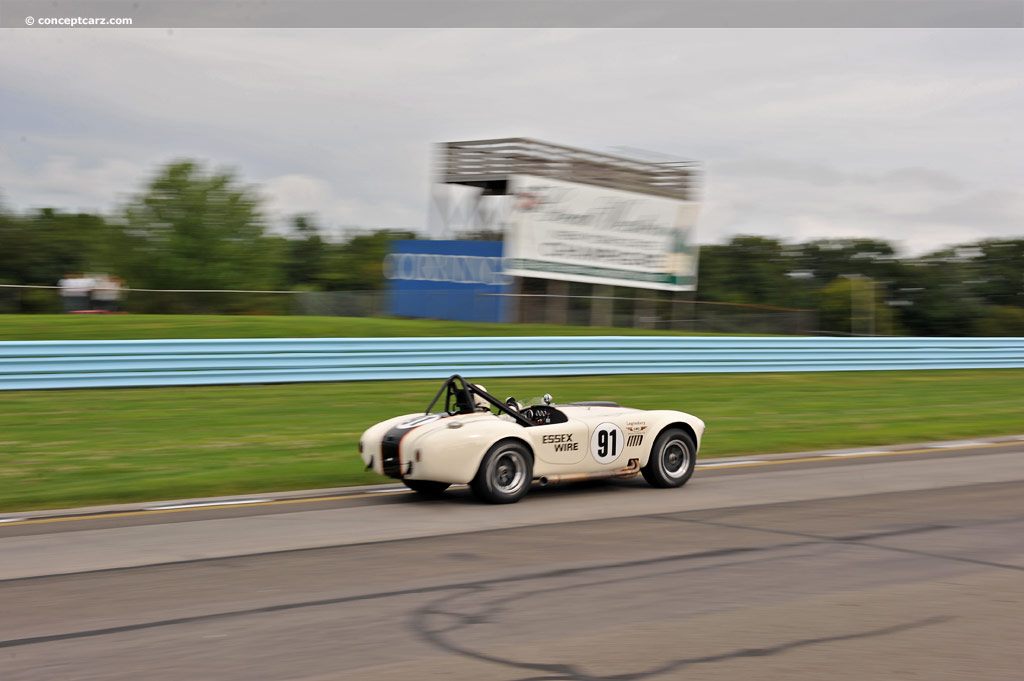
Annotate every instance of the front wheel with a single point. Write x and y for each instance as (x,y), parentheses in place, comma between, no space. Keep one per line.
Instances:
(672,459)
(427,488)
(505,473)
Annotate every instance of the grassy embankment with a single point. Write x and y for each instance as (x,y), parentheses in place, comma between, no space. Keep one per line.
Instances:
(65,448)
(112,327)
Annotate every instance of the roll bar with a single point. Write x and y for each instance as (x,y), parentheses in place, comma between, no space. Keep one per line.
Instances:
(462,391)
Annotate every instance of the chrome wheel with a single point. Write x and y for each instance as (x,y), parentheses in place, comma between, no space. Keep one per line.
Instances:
(505,473)
(672,459)
(508,471)
(675,458)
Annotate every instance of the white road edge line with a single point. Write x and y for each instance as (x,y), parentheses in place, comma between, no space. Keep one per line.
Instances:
(710,464)
(859,453)
(202,504)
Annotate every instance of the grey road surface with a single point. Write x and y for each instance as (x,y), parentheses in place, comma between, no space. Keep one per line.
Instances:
(889,569)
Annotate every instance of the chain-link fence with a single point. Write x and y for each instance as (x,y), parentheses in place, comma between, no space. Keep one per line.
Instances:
(48,300)
(340,303)
(617,311)
(662,313)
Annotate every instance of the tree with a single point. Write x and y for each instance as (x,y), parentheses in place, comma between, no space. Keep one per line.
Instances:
(1000,320)
(749,269)
(938,298)
(303,252)
(194,229)
(827,259)
(40,248)
(357,265)
(997,272)
(851,305)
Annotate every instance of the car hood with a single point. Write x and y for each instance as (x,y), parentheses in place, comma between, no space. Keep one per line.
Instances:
(576,411)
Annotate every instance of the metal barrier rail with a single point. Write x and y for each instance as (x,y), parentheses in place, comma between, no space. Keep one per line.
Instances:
(32,365)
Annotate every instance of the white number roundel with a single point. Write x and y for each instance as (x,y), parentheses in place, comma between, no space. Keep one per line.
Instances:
(606,443)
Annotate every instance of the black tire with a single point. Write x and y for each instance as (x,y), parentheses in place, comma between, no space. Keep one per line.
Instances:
(672,459)
(427,488)
(505,473)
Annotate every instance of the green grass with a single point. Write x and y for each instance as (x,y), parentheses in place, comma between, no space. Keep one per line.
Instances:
(77,447)
(118,327)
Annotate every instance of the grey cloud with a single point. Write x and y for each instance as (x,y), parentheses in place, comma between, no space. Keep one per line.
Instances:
(807,133)
(829,176)
(923,177)
(1002,210)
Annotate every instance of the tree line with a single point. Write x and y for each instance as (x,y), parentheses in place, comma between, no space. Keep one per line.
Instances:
(196,228)
(863,286)
(192,228)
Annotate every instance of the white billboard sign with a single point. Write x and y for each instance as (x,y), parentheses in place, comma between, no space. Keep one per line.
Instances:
(578,232)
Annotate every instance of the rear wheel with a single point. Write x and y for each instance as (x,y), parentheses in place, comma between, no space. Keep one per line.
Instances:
(427,488)
(672,459)
(505,473)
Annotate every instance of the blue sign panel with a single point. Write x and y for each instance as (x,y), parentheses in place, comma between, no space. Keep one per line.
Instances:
(459,280)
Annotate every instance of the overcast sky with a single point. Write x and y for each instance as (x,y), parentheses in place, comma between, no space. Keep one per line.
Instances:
(913,136)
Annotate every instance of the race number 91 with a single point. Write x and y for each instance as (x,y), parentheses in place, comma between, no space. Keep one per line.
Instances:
(606,443)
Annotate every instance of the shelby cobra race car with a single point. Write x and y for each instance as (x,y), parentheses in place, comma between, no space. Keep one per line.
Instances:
(500,448)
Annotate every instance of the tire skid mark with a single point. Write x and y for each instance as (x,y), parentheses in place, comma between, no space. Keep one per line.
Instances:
(480,610)
(862,540)
(282,607)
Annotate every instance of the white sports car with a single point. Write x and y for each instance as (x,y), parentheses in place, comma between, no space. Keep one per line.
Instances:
(501,448)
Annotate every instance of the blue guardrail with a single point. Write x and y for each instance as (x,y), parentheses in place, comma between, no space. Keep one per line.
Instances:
(34,365)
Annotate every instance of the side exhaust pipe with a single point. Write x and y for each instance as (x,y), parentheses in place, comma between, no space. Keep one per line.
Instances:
(630,471)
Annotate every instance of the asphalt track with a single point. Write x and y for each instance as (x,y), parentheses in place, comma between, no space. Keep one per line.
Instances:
(902,563)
